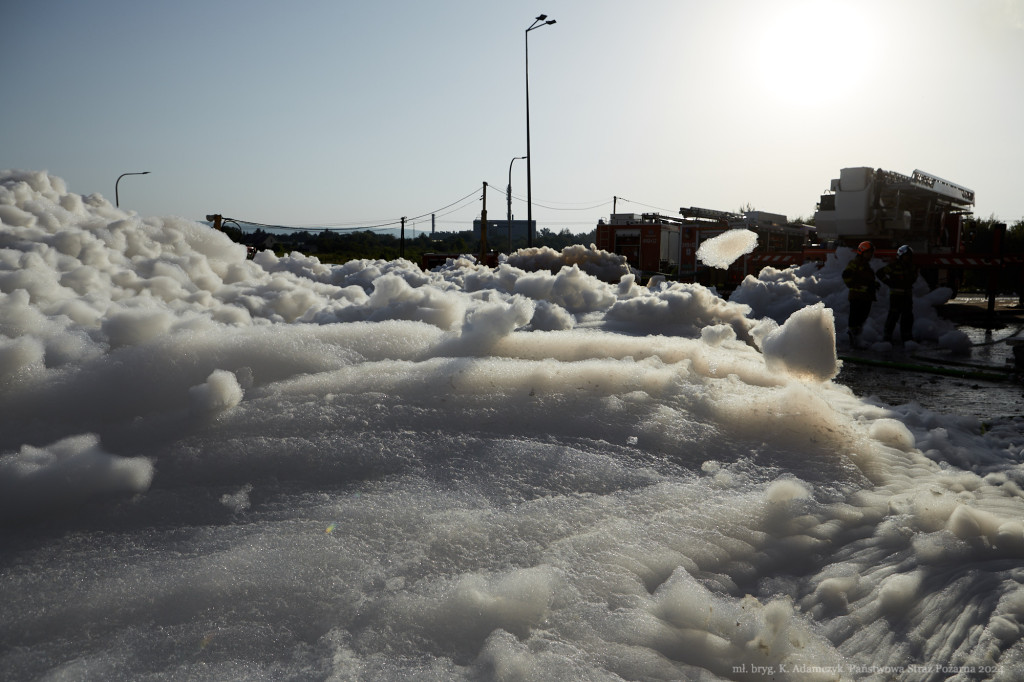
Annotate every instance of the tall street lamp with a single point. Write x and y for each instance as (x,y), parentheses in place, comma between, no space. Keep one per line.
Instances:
(117,200)
(509,193)
(542,20)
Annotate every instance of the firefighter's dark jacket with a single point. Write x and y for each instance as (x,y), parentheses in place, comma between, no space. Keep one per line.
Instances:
(900,277)
(860,279)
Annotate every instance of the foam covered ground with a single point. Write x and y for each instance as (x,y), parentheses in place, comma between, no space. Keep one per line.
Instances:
(219,468)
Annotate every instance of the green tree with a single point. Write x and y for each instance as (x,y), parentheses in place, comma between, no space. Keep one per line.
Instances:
(978,237)
(340,247)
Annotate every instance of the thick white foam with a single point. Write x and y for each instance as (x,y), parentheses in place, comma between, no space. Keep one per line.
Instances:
(215,467)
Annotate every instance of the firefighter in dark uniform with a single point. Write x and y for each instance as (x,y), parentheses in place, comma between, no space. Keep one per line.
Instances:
(860,280)
(900,277)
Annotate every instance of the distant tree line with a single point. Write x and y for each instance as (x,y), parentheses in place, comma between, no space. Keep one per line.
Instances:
(978,237)
(341,247)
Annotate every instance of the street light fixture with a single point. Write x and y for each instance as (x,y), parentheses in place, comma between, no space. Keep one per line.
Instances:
(542,20)
(509,193)
(117,200)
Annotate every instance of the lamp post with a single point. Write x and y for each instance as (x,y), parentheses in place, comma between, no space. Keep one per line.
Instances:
(542,20)
(117,200)
(509,193)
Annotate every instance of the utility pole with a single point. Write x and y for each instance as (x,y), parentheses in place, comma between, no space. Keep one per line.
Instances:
(401,243)
(483,228)
(998,235)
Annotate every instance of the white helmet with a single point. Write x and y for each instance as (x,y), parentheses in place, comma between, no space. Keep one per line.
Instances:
(904,251)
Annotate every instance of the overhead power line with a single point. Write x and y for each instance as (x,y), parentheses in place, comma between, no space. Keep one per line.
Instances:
(592,204)
(424,215)
(656,208)
(579,206)
(355,227)
(583,208)
(455,206)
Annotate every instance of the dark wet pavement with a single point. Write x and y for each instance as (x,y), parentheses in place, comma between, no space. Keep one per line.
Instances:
(988,385)
(951,395)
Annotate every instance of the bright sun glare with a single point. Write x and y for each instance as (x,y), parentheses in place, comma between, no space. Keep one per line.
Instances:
(815,52)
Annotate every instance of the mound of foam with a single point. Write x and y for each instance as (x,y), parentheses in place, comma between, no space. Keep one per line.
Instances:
(607,267)
(805,345)
(64,474)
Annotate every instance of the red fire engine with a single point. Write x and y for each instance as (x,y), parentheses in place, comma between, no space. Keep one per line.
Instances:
(659,244)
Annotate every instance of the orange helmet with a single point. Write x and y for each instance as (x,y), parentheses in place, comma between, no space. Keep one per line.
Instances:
(864,247)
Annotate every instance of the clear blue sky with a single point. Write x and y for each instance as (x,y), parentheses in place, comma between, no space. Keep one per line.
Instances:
(337,112)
